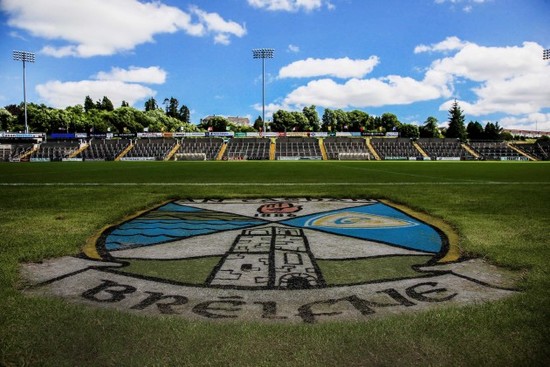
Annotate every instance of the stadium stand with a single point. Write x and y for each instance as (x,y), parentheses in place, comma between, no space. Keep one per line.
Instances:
(496,150)
(20,152)
(247,149)
(395,149)
(205,148)
(294,148)
(346,148)
(5,152)
(150,149)
(444,149)
(104,150)
(540,151)
(54,150)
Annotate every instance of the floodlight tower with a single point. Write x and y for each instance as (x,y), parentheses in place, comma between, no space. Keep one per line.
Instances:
(546,54)
(25,57)
(263,53)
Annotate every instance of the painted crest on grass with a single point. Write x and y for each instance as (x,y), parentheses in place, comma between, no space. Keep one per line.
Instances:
(281,260)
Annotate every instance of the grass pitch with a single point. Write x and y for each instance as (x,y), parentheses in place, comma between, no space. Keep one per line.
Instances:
(500,209)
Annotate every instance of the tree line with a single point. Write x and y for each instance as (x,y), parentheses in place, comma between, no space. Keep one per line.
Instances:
(98,117)
(101,117)
(360,121)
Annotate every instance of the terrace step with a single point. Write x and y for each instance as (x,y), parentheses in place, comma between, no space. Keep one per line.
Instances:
(272,149)
(172,152)
(419,148)
(470,150)
(323,150)
(124,152)
(372,150)
(530,157)
(82,148)
(219,157)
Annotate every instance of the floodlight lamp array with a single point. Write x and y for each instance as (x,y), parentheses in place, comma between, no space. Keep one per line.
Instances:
(263,53)
(23,56)
(546,54)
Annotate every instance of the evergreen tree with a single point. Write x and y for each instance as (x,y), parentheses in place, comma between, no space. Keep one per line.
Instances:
(456,127)
(258,123)
(89,104)
(151,104)
(106,104)
(171,104)
(475,131)
(184,114)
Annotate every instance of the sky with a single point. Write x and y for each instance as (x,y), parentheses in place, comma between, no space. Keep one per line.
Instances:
(412,58)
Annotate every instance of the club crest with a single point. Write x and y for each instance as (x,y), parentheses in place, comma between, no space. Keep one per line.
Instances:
(275,259)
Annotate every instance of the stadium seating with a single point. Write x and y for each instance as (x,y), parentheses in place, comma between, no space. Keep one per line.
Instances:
(495,150)
(104,150)
(539,151)
(150,149)
(346,148)
(54,150)
(210,147)
(247,149)
(395,148)
(444,149)
(294,148)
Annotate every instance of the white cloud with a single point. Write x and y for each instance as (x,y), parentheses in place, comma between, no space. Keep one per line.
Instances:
(467,5)
(62,94)
(293,48)
(221,28)
(290,5)
(449,44)
(513,82)
(97,27)
(360,93)
(339,68)
(150,75)
(118,84)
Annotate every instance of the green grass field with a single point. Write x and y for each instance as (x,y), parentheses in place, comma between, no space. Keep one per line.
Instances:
(500,209)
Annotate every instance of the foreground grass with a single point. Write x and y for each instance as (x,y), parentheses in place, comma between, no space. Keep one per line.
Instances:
(505,223)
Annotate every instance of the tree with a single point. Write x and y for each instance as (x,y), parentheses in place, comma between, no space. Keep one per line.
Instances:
(389,122)
(7,120)
(358,121)
(215,123)
(151,104)
(429,129)
(184,114)
(329,120)
(409,131)
(456,127)
(124,104)
(258,123)
(310,113)
(106,104)
(89,104)
(171,105)
(342,120)
(300,123)
(475,131)
(493,131)
(283,121)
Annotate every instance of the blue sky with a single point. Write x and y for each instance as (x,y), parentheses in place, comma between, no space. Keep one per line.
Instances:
(408,57)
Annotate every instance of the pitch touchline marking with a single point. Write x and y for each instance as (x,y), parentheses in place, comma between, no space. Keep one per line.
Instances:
(445,183)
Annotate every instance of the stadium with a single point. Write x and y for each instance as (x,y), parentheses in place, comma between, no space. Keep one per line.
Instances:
(135,237)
